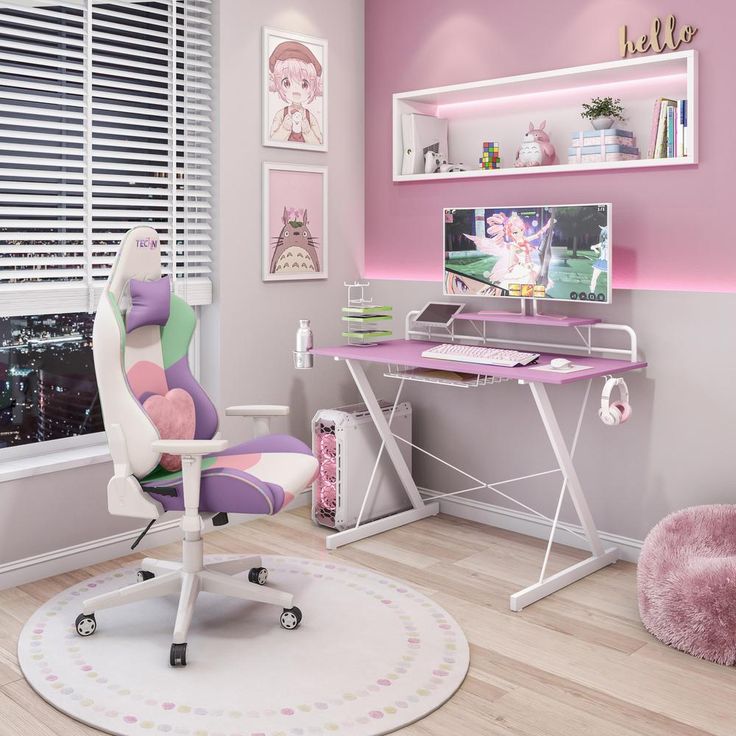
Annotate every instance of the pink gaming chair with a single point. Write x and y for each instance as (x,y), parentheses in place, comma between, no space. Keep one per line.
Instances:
(161,428)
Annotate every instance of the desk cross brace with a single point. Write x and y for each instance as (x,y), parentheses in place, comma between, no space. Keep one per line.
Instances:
(544,586)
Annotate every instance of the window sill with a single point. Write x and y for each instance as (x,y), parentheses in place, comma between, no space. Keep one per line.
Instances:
(53,462)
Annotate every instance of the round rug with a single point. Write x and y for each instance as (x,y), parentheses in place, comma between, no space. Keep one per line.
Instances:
(370,656)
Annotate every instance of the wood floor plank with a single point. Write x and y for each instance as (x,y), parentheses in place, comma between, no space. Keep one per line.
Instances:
(38,711)
(602,669)
(510,673)
(574,664)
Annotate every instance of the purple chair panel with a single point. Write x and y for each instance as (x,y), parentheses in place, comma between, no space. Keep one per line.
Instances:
(178,375)
(225,489)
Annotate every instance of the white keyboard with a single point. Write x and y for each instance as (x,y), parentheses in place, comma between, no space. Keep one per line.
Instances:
(479,355)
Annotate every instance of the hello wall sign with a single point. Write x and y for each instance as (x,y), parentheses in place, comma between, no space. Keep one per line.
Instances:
(661,36)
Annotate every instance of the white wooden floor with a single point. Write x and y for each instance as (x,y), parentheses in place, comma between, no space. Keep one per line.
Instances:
(578,663)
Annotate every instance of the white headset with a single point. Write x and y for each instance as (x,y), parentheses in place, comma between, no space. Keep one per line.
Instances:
(618,412)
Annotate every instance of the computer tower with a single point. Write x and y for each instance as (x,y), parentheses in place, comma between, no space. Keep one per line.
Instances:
(346,443)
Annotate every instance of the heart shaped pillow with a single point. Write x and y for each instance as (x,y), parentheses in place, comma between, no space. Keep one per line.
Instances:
(175,419)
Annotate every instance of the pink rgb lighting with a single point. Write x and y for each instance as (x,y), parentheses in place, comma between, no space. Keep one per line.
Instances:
(642,85)
(670,224)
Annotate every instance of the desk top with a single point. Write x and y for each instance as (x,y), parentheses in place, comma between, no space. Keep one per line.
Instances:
(409,353)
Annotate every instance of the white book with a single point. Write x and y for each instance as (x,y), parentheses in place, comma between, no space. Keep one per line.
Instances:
(419,134)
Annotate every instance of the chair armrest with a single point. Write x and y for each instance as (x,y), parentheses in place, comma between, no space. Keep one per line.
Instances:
(257,410)
(189,447)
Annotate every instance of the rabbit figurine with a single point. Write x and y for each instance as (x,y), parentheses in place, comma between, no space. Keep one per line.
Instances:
(535,149)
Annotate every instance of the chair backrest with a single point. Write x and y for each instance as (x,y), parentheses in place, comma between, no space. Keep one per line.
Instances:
(148,361)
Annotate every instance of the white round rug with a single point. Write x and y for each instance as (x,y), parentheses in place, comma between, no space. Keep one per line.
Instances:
(370,656)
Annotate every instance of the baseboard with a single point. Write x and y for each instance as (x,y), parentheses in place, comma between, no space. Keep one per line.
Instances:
(66,559)
(526,523)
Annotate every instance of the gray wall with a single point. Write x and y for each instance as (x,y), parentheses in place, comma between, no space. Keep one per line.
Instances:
(676,451)
(258,321)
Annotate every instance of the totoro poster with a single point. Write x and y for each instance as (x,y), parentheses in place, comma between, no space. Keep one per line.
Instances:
(294,222)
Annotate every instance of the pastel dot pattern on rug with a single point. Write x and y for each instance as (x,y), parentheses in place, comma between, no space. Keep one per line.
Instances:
(400,657)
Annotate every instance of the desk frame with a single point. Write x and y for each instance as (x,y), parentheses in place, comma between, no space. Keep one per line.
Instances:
(600,556)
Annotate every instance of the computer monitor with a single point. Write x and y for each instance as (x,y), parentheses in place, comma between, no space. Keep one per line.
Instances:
(555,252)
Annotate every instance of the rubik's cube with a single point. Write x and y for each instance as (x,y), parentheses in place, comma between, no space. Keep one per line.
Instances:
(491,158)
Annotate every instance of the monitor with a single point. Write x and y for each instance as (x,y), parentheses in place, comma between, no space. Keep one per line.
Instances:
(556,252)
(438,314)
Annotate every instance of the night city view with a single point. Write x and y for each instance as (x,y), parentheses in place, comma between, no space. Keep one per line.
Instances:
(47,381)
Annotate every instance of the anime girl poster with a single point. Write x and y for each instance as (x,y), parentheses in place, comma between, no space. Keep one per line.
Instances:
(294,90)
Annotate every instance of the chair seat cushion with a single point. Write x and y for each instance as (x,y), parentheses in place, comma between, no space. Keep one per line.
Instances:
(261,476)
(686,579)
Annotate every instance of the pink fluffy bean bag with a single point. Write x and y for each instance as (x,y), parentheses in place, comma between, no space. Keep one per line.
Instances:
(687,582)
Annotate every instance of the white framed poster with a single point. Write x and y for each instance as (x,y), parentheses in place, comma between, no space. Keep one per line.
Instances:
(294,90)
(294,222)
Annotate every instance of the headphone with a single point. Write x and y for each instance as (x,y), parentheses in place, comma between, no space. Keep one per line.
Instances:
(618,412)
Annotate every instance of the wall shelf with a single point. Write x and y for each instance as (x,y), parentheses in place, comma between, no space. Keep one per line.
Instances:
(500,109)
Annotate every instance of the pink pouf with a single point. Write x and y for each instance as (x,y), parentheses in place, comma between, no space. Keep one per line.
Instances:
(687,582)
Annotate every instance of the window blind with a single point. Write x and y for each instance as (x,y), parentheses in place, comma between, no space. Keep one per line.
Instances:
(105,124)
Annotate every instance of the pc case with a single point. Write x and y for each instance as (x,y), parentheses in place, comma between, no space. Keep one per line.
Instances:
(346,443)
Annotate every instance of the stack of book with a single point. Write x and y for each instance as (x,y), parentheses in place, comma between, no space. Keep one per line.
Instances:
(668,137)
(361,319)
(611,144)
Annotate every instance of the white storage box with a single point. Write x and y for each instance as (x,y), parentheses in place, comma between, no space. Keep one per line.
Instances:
(346,443)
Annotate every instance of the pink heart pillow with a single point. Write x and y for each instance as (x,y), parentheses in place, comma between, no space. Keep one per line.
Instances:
(175,419)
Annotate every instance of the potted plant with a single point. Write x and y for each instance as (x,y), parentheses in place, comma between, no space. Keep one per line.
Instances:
(603,112)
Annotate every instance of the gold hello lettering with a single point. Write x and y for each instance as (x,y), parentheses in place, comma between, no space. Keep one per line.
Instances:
(654,41)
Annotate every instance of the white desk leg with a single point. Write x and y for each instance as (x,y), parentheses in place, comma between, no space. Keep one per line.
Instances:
(601,557)
(420,509)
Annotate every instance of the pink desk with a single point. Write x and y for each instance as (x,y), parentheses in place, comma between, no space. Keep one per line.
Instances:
(408,353)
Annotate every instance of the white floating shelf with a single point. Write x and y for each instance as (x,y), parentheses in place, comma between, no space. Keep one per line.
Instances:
(500,109)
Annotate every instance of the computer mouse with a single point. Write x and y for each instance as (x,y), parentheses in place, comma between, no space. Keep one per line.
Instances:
(559,363)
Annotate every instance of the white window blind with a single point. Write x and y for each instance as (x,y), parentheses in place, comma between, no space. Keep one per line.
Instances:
(105,124)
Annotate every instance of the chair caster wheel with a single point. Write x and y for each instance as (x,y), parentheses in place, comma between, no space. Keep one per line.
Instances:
(86,625)
(143,575)
(258,575)
(291,618)
(178,656)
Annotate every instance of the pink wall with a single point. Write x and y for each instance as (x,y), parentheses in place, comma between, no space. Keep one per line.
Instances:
(673,227)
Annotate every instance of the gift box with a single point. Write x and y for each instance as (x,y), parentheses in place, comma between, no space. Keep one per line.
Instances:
(602,152)
(610,136)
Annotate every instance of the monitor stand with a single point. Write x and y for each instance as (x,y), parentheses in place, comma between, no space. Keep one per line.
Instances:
(524,312)
(537,313)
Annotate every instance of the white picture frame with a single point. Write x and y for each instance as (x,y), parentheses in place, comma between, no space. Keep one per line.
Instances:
(282,218)
(309,132)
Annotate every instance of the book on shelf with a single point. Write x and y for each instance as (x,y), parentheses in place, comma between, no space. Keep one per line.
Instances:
(668,134)
(371,309)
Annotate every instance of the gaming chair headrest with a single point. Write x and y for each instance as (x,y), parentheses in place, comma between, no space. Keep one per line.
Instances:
(139,257)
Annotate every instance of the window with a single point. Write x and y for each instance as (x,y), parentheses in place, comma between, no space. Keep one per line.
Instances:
(105,115)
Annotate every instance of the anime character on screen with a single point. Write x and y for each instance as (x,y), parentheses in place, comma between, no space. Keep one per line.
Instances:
(457,283)
(601,264)
(518,260)
(296,76)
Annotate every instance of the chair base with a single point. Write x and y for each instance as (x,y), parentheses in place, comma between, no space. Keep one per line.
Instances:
(187,579)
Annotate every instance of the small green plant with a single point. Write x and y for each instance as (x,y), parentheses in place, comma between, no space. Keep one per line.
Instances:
(603,107)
